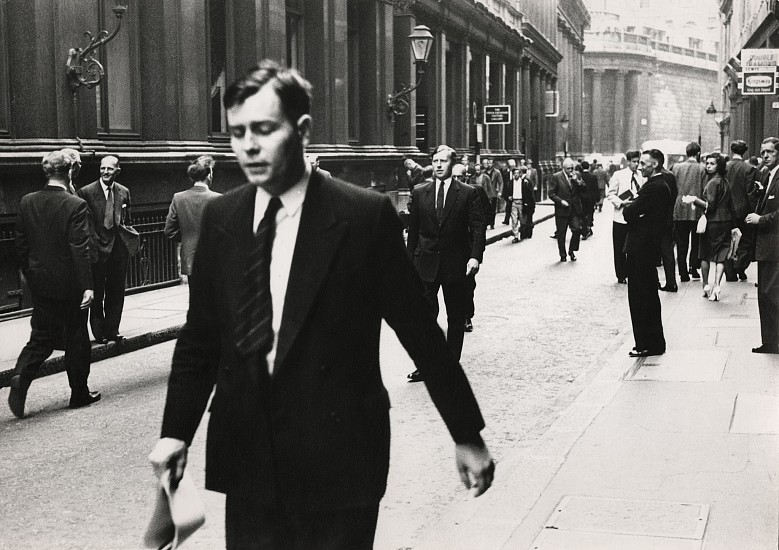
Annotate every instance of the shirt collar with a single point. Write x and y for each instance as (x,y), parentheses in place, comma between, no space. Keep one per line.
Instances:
(772,174)
(105,187)
(56,184)
(200,184)
(291,199)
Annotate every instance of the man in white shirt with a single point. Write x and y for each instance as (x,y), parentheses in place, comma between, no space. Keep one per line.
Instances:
(624,185)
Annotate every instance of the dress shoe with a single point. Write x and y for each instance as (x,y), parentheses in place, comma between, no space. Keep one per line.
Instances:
(115,338)
(83,399)
(742,276)
(765,349)
(415,376)
(468,326)
(563,259)
(645,352)
(101,340)
(505,223)
(18,396)
(685,279)
(573,256)
(731,279)
(694,274)
(584,237)
(514,240)
(714,294)
(669,288)
(622,281)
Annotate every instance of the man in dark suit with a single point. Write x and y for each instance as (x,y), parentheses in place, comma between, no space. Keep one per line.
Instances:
(522,203)
(459,173)
(647,220)
(446,239)
(667,240)
(109,204)
(564,190)
(284,320)
(741,177)
(186,210)
(52,239)
(589,197)
(765,219)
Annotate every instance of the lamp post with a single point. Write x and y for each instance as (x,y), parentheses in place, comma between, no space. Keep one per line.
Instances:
(82,67)
(564,123)
(421,43)
(710,110)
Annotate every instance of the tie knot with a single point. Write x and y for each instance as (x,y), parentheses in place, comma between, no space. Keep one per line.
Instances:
(273,207)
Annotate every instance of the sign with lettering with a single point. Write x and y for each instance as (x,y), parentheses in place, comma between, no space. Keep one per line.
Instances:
(759,71)
(497,114)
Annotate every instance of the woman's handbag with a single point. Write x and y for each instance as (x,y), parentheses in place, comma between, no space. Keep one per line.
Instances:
(701,228)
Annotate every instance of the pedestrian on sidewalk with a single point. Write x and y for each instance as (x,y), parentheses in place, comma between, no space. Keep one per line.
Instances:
(52,240)
(523,204)
(589,196)
(603,182)
(667,242)
(186,210)
(494,188)
(295,273)
(623,186)
(690,179)
(505,193)
(565,189)
(741,177)
(646,218)
(766,219)
(717,206)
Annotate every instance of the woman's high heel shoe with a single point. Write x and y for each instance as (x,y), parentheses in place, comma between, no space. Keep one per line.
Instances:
(714,295)
(706,291)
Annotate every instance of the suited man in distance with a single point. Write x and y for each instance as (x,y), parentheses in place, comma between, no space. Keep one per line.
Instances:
(298,435)
(564,190)
(647,219)
(741,177)
(109,204)
(765,219)
(186,210)
(446,240)
(52,240)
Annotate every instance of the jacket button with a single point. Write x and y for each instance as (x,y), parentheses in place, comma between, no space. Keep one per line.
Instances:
(335,417)
(323,368)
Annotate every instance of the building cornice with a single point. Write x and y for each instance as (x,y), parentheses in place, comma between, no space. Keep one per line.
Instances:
(541,51)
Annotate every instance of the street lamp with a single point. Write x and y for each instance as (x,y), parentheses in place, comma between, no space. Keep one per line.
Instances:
(710,110)
(421,43)
(83,68)
(564,123)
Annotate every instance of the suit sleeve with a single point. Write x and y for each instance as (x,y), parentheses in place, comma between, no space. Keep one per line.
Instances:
(407,312)
(196,357)
(413,223)
(552,193)
(643,203)
(79,240)
(172,228)
(477,225)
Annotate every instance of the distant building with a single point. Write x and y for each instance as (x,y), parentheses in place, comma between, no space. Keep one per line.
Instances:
(650,73)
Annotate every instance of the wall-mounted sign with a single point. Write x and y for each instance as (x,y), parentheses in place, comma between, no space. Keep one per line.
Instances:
(759,71)
(497,114)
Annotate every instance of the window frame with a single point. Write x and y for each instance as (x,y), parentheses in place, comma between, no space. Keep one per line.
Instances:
(5,91)
(229,65)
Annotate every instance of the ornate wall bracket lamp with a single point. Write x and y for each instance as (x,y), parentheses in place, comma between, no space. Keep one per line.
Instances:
(83,69)
(421,43)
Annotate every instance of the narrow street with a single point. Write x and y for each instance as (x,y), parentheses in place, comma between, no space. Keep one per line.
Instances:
(80,479)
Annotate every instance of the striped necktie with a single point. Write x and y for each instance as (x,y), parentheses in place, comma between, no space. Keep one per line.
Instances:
(254,331)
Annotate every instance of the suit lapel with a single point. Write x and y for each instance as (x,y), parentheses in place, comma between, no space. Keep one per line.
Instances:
(319,237)
(769,188)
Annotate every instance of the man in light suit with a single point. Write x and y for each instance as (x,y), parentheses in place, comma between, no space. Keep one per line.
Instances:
(109,205)
(446,240)
(765,219)
(565,189)
(52,240)
(298,435)
(186,210)
(647,220)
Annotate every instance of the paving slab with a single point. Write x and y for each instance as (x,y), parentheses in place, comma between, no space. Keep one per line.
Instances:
(755,414)
(681,366)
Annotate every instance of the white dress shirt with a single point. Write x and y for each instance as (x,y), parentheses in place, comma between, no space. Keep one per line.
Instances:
(619,183)
(447,185)
(287,225)
(105,189)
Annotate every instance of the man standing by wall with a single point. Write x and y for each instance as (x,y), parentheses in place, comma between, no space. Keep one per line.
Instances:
(52,240)
(109,204)
(766,220)
(186,210)
(690,180)
(623,186)
(564,190)
(647,218)
(741,178)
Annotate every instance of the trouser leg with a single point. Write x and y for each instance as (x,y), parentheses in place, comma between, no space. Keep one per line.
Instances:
(619,232)
(768,302)
(430,290)
(667,253)
(77,348)
(116,273)
(470,307)
(46,329)
(507,217)
(455,293)
(516,223)
(575,223)
(561,228)
(96,312)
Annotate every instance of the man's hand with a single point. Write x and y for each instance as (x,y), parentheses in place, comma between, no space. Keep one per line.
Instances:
(472,267)
(475,465)
(564,202)
(170,454)
(753,219)
(86,300)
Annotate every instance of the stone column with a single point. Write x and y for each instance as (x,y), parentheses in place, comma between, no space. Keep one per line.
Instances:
(527,108)
(536,112)
(619,113)
(631,89)
(597,111)
(586,106)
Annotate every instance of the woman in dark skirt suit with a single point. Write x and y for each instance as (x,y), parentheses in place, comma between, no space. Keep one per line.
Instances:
(720,215)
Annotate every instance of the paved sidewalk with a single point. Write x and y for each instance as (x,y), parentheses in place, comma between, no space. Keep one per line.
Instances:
(149,318)
(679,451)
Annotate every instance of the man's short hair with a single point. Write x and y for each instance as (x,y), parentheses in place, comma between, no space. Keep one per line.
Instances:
(200,168)
(739,147)
(693,149)
(568,162)
(632,154)
(72,154)
(442,148)
(56,163)
(584,165)
(773,140)
(657,155)
(293,90)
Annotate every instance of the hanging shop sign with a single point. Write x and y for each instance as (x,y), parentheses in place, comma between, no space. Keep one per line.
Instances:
(759,71)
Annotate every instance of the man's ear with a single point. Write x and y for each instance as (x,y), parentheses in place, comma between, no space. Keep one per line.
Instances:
(118,171)
(304,128)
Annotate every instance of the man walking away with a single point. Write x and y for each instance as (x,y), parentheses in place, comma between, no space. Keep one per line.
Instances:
(741,177)
(690,180)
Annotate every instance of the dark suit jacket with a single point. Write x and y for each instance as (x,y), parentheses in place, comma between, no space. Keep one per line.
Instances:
(443,251)
(670,181)
(528,198)
(484,200)
(183,221)
(767,239)
(590,193)
(93,194)
(52,240)
(316,436)
(647,218)
(561,190)
(741,178)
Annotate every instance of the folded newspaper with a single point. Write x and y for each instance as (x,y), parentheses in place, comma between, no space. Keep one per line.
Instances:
(177,514)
